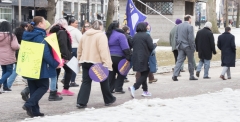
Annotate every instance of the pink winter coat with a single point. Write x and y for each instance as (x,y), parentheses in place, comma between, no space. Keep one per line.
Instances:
(8,48)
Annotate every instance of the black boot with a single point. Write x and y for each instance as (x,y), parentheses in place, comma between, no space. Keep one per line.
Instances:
(25,94)
(53,96)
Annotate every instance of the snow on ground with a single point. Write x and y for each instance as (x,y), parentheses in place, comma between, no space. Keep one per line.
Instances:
(223,106)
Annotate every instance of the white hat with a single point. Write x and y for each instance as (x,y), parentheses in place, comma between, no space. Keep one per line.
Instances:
(208,24)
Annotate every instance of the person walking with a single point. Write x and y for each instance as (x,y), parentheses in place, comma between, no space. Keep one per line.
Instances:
(142,48)
(119,49)
(86,27)
(186,47)
(18,32)
(76,36)
(8,47)
(205,47)
(151,78)
(93,48)
(173,43)
(126,30)
(38,87)
(226,43)
(65,46)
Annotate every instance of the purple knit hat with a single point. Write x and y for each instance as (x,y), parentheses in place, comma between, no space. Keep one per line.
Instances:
(178,21)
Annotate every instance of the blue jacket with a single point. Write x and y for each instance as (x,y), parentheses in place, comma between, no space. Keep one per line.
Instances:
(49,64)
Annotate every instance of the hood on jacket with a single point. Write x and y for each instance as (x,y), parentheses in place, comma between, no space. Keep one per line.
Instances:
(30,36)
(92,32)
(71,28)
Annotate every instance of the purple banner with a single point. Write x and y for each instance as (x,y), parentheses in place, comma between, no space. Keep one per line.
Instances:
(124,67)
(98,73)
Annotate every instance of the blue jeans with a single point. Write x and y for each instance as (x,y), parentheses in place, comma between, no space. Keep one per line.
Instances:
(53,83)
(6,72)
(206,64)
(73,78)
(12,77)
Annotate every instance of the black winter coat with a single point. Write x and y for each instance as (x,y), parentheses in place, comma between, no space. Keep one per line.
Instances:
(205,45)
(142,48)
(64,41)
(226,43)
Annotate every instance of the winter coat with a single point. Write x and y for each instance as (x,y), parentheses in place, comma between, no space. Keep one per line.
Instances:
(64,41)
(7,49)
(49,65)
(226,43)
(118,45)
(172,38)
(76,36)
(142,48)
(205,45)
(93,48)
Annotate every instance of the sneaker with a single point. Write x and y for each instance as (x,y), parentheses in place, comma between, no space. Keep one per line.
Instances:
(73,84)
(146,94)
(132,90)
(66,92)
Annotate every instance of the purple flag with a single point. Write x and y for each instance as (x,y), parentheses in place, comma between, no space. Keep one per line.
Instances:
(134,16)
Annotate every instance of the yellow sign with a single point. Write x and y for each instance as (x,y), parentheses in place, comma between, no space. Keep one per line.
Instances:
(53,42)
(30,59)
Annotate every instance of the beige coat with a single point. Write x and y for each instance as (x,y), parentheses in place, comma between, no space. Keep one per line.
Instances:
(93,48)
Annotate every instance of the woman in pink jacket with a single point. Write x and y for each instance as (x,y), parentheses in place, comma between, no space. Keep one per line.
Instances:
(8,47)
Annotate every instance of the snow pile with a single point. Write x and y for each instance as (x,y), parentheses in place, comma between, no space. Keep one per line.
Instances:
(223,106)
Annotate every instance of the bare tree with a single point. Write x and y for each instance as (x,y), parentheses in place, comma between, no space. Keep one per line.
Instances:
(238,13)
(226,12)
(51,10)
(110,13)
(212,16)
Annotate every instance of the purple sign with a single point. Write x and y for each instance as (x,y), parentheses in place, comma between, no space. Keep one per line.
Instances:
(124,67)
(98,72)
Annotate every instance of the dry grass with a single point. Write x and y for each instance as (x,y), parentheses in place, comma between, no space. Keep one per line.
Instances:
(166,58)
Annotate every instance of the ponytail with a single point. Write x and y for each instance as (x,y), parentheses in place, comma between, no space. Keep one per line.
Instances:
(35,22)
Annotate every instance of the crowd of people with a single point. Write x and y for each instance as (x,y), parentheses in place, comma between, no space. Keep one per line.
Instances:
(92,45)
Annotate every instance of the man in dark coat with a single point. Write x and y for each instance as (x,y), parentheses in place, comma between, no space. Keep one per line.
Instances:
(205,47)
(226,43)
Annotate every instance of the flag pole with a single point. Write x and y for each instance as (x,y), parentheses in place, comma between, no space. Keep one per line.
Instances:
(156,11)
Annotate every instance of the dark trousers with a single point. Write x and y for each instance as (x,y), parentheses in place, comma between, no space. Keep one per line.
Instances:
(150,76)
(73,78)
(142,80)
(37,89)
(175,53)
(114,83)
(68,76)
(85,89)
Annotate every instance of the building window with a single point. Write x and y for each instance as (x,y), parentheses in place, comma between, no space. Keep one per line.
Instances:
(6,13)
(83,8)
(99,8)
(165,8)
(93,8)
(76,10)
(67,6)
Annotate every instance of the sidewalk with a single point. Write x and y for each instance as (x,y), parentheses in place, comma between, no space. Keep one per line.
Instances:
(11,102)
